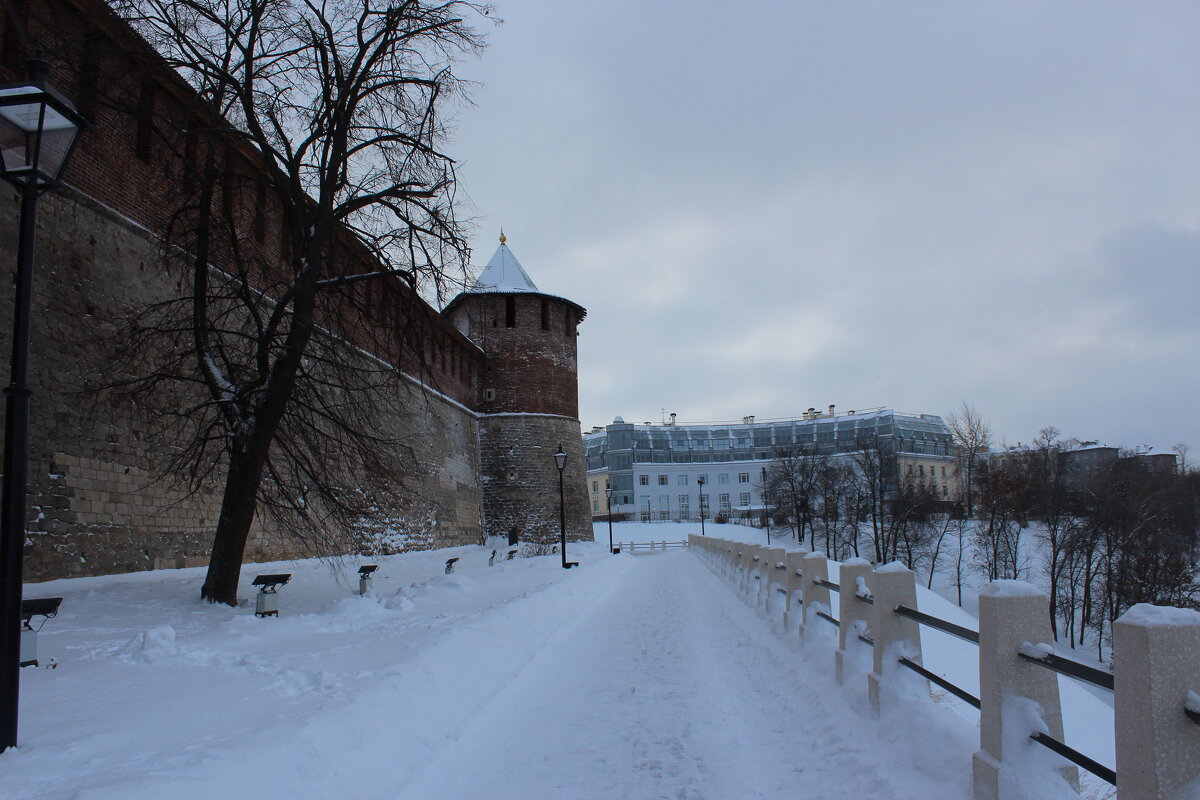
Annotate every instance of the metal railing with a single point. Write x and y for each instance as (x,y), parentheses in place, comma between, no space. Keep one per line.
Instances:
(941,624)
(632,546)
(1072,669)
(1050,661)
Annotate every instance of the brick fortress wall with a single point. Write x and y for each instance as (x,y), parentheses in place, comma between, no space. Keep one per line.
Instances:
(100,499)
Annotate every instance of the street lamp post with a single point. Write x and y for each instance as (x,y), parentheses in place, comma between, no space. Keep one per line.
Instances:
(700,482)
(38,131)
(766,511)
(560,461)
(608,494)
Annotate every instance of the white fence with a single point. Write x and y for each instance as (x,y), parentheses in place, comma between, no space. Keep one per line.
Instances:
(1156,652)
(633,547)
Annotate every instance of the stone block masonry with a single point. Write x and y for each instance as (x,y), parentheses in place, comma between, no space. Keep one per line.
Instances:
(520,483)
(101,496)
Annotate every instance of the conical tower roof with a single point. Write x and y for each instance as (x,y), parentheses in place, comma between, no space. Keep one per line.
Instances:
(503,274)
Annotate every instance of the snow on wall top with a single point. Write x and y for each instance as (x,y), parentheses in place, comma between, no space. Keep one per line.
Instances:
(1010,588)
(503,274)
(1146,614)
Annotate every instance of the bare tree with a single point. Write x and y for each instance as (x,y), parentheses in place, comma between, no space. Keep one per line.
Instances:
(1181,450)
(1054,510)
(793,482)
(874,478)
(973,437)
(330,115)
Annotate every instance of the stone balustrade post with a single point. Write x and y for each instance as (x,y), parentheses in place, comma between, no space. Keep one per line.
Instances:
(1156,667)
(754,573)
(1012,613)
(793,582)
(895,636)
(813,597)
(772,575)
(854,615)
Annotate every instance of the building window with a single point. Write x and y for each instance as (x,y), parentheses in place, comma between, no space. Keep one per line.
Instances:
(943,472)
(684,502)
(743,477)
(643,480)
(921,470)
(595,506)
(744,499)
(510,312)
(681,480)
(595,486)
(723,477)
(662,480)
(723,499)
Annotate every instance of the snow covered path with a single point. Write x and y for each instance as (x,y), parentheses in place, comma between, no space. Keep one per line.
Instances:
(631,677)
(670,688)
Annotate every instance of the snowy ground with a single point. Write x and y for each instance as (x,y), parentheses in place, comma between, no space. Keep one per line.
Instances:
(634,676)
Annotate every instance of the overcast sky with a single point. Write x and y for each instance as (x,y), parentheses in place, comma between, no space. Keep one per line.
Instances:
(767,206)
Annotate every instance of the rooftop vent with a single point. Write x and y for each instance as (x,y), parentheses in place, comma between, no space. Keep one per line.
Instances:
(748,420)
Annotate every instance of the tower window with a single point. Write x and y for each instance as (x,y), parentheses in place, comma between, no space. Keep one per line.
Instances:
(510,312)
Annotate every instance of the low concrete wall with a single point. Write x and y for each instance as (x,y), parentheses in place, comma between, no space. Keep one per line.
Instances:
(1156,653)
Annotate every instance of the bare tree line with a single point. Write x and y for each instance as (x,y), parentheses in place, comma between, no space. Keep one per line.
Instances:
(1121,532)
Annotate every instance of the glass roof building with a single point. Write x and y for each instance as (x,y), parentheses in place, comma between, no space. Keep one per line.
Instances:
(651,468)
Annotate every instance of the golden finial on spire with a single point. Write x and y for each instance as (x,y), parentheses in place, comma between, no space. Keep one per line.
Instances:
(503,238)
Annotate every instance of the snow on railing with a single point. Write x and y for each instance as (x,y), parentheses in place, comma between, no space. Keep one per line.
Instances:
(1156,685)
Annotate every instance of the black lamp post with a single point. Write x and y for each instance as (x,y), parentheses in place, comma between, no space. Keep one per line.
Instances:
(560,461)
(700,482)
(608,494)
(766,511)
(38,131)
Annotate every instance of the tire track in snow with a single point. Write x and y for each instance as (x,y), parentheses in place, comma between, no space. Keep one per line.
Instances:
(670,687)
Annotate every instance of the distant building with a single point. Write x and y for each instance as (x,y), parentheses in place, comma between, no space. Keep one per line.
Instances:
(1079,465)
(654,468)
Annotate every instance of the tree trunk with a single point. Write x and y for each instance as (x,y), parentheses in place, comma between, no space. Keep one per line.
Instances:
(238,505)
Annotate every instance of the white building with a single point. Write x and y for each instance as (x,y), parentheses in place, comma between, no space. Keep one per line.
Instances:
(655,469)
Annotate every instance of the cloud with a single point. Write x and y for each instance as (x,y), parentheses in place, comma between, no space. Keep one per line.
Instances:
(778,205)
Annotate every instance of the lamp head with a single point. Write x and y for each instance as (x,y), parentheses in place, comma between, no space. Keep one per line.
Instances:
(38,130)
